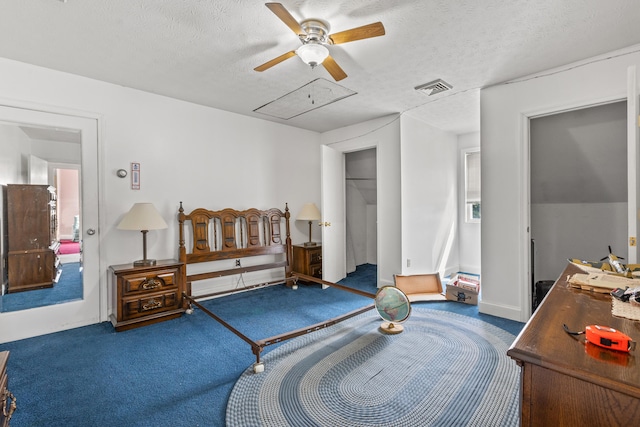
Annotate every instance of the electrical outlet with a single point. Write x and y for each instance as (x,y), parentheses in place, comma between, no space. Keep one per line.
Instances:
(238,263)
(408,262)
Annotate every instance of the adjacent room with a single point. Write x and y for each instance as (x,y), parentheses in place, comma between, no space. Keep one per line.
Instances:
(206,206)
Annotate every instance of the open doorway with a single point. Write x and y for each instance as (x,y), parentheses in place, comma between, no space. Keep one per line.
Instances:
(578,188)
(361,209)
(67,182)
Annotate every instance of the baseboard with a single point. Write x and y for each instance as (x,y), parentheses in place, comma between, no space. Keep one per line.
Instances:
(469,269)
(383,282)
(506,312)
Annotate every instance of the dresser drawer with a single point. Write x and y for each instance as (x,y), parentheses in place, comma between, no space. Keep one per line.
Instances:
(149,304)
(150,282)
(7,399)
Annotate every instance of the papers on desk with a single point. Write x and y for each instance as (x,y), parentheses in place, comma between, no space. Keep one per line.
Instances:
(601,282)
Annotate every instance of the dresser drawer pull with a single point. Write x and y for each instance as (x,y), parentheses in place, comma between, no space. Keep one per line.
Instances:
(151,305)
(12,406)
(151,284)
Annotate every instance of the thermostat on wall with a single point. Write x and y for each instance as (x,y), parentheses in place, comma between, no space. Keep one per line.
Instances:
(135,176)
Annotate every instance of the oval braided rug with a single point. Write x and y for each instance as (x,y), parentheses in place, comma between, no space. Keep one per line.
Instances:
(445,369)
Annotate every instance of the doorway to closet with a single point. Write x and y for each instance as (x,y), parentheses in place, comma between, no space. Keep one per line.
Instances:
(578,187)
(361,196)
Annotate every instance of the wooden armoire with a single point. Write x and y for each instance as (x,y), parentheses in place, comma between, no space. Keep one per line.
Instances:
(32,242)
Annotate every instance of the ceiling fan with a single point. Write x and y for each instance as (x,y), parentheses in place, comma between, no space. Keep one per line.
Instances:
(315,37)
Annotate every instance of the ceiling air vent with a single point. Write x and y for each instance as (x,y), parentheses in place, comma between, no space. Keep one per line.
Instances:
(434,87)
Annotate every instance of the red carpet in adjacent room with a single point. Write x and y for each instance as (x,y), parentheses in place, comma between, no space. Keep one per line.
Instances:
(69,247)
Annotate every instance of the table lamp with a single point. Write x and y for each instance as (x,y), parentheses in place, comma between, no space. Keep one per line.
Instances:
(309,213)
(143,217)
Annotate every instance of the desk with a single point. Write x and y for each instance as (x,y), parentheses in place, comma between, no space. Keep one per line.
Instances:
(567,383)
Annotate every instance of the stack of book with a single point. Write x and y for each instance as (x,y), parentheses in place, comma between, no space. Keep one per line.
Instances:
(470,282)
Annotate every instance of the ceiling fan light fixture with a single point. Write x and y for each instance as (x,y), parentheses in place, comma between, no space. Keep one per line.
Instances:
(313,54)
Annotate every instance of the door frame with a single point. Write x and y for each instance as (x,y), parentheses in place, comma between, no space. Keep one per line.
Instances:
(93,307)
(333,194)
(525,187)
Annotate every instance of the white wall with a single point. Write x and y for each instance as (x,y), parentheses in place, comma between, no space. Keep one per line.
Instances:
(468,233)
(575,230)
(38,171)
(417,193)
(15,147)
(357,227)
(504,138)
(372,234)
(198,155)
(429,199)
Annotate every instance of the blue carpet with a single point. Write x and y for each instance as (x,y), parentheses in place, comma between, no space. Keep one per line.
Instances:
(175,373)
(68,288)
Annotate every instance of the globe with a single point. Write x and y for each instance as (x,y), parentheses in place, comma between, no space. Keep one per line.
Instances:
(393,307)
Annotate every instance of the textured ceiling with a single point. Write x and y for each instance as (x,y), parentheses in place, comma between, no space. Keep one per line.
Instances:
(204,51)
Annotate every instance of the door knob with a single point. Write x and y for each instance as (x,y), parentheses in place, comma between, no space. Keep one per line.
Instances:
(91,231)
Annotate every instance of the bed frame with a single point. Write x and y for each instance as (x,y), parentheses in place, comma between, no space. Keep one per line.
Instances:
(232,234)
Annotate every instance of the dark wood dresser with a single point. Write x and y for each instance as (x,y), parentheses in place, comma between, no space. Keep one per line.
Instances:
(8,399)
(32,261)
(308,260)
(565,382)
(144,295)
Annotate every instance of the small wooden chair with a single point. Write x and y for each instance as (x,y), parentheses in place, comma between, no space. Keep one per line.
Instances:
(421,287)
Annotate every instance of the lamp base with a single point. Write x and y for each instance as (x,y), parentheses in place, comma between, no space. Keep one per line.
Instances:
(144,262)
(310,244)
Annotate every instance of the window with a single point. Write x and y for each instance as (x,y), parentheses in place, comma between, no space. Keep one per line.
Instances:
(472,185)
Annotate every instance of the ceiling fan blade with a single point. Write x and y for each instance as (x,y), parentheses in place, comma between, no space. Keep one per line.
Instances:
(275,61)
(334,69)
(372,30)
(286,17)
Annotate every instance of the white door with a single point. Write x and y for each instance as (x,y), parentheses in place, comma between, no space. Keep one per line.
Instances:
(633,157)
(334,267)
(37,321)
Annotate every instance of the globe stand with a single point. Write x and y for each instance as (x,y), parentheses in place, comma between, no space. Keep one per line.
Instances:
(391,328)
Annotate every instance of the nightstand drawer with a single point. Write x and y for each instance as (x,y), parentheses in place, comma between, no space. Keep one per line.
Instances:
(315,271)
(132,308)
(151,282)
(315,256)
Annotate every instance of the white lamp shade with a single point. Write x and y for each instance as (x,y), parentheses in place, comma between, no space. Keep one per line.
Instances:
(142,216)
(312,53)
(309,212)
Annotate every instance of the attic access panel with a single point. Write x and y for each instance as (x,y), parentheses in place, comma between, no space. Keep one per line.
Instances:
(311,96)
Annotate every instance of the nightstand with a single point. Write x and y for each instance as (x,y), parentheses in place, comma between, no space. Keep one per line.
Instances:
(308,260)
(145,295)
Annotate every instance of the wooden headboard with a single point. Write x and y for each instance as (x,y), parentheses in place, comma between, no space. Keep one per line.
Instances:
(232,234)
